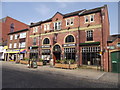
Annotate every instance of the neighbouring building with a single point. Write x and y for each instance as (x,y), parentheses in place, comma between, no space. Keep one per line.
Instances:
(114,52)
(8,25)
(81,36)
(17,45)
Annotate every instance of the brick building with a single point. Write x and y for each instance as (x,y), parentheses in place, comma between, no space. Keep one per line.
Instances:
(81,36)
(17,45)
(114,52)
(8,25)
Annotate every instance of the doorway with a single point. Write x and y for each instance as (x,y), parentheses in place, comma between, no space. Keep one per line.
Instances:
(56,52)
(115,60)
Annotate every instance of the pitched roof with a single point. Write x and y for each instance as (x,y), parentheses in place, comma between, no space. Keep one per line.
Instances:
(112,38)
(3,19)
(73,13)
(80,12)
(93,10)
(35,24)
(18,31)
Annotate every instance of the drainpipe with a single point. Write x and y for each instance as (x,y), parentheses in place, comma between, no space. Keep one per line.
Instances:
(102,55)
(78,36)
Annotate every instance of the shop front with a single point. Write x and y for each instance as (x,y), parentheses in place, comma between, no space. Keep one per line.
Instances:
(69,51)
(15,54)
(90,53)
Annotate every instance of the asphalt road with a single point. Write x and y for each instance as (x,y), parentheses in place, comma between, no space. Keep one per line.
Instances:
(15,77)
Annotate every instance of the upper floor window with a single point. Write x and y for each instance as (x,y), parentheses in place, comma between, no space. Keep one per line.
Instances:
(11,37)
(69,38)
(35,29)
(16,36)
(86,19)
(46,41)
(23,35)
(91,18)
(22,44)
(12,27)
(34,41)
(57,25)
(15,45)
(89,35)
(10,45)
(69,21)
(46,26)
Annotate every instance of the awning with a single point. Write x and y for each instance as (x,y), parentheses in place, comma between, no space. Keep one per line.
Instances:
(23,51)
(13,51)
(90,44)
(16,51)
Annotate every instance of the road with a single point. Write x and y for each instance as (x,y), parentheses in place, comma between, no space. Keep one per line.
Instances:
(19,76)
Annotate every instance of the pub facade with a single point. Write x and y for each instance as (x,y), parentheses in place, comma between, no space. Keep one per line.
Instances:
(80,36)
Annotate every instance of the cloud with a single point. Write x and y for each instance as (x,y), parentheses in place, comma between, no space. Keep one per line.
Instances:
(43,10)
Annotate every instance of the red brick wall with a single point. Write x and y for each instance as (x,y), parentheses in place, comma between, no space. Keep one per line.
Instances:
(99,34)
(6,26)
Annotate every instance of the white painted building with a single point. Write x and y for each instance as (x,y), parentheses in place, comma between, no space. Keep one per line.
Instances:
(2,52)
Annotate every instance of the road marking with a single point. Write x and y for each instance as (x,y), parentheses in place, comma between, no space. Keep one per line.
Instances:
(101,75)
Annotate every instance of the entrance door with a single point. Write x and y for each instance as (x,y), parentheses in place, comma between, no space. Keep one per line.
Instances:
(115,58)
(56,52)
(57,55)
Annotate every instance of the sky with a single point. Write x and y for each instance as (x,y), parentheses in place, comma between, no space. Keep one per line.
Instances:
(28,12)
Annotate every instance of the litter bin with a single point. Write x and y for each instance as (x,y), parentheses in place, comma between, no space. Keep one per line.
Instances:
(34,64)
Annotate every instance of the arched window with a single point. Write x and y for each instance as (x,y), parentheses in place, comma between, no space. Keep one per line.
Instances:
(12,27)
(69,38)
(46,41)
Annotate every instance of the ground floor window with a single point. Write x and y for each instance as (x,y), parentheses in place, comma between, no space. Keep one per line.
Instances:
(33,55)
(91,56)
(69,53)
(46,54)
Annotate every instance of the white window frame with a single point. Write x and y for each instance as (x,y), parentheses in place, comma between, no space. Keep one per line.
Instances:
(35,29)
(91,17)
(10,45)
(45,27)
(15,45)
(58,26)
(16,36)
(22,44)
(23,35)
(86,17)
(69,20)
(11,37)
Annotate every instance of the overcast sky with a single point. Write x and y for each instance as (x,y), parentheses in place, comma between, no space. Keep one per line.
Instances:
(28,12)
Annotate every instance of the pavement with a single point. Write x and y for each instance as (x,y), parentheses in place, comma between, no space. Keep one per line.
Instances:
(82,73)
